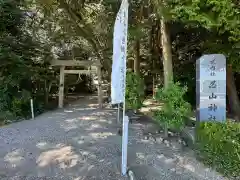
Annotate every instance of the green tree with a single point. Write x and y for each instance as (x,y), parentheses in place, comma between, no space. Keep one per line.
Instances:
(18,59)
(222,20)
(175,109)
(134,91)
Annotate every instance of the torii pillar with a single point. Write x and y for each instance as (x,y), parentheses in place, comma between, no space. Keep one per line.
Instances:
(61,87)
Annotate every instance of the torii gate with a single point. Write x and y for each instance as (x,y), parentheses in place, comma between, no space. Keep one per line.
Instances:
(64,63)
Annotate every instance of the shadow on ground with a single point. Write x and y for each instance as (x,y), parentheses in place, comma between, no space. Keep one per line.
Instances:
(80,142)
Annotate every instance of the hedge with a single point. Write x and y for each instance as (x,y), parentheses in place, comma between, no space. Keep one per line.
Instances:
(218,145)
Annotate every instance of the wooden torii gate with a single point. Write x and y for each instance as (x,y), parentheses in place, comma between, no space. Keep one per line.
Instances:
(63,63)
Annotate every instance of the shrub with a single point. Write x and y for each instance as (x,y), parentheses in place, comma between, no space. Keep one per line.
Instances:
(218,145)
(175,109)
(134,91)
(15,107)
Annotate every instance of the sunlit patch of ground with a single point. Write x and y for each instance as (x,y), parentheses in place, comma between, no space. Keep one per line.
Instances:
(62,155)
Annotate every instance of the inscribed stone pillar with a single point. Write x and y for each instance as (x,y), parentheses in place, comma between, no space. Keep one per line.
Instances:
(211,88)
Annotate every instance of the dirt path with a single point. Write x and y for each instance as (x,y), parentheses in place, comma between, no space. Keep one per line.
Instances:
(80,142)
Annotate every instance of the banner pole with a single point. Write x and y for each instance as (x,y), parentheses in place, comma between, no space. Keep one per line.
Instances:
(124,145)
(125,122)
(125,133)
(125,118)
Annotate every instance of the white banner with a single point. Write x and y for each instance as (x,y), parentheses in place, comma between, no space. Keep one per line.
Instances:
(119,54)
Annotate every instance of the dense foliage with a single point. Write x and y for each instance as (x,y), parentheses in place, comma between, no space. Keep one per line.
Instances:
(134,91)
(18,53)
(219,146)
(175,109)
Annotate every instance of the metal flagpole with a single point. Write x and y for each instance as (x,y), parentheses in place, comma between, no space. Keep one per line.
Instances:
(124,145)
(124,138)
(125,118)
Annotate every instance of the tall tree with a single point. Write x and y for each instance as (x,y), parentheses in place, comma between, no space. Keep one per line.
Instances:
(89,20)
(137,59)
(166,44)
(18,57)
(167,53)
(222,18)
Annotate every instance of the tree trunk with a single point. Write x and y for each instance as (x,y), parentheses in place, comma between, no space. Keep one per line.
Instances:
(132,65)
(151,59)
(100,94)
(137,45)
(167,54)
(167,60)
(46,93)
(137,58)
(232,94)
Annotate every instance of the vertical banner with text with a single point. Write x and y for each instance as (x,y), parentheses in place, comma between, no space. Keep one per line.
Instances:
(118,77)
(119,66)
(211,88)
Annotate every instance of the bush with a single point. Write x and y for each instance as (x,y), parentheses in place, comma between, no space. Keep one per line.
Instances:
(175,109)
(134,91)
(218,145)
(16,106)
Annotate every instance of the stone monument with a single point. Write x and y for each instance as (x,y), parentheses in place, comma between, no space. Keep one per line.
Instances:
(211,88)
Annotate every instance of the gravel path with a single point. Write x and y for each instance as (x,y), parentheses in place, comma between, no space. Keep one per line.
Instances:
(80,142)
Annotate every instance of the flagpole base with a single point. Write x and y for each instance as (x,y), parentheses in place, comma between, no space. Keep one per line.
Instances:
(124,145)
(131,175)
